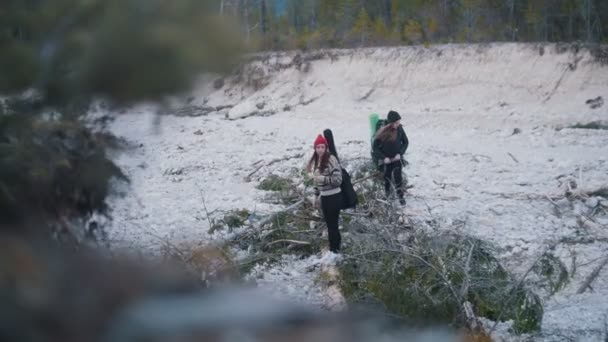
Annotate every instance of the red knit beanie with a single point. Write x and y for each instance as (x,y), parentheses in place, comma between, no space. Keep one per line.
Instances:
(320,141)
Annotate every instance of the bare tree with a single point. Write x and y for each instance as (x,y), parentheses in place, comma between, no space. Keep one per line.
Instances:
(263,16)
(387,13)
(587,6)
(224,4)
(513,28)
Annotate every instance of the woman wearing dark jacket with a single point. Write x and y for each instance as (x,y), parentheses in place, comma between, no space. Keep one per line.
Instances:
(390,143)
(327,177)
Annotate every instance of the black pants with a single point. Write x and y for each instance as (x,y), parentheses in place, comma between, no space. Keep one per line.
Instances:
(393,171)
(330,206)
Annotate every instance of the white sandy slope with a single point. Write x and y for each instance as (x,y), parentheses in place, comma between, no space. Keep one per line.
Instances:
(460,106)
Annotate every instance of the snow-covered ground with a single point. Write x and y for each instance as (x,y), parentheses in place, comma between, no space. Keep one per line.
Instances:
(489,142)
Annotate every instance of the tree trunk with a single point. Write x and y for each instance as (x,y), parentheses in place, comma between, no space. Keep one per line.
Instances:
(512,18)
(570,27)
(246,20)
(589,33)
(263,19)
(313,16)
(295,16)
(387,13)
(586,14)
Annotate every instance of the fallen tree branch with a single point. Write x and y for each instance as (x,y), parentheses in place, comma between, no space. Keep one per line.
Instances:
(582,240)
(200,189)
(470,317)
(467,268)
(298,155)
(467,308)
(296,242)
(438,198)
(521,195)
(590,261)
(558,213)
(271,217)
(517,286)
(258,225)
(592,276)
(248,177)
(365,214)
(601,192)
(513,157)
(365,178)
(367,94)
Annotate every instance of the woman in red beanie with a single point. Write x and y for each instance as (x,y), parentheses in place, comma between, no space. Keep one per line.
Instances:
(327,178)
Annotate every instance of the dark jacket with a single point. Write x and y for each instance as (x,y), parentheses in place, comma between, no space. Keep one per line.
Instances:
(384,149)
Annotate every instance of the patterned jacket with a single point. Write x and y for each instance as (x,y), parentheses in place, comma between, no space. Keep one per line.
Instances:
(327,182)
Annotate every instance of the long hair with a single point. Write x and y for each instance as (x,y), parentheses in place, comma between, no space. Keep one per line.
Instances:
(387,133)
(314,162)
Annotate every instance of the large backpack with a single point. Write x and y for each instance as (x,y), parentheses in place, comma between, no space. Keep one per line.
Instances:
(375,124)
(349,196)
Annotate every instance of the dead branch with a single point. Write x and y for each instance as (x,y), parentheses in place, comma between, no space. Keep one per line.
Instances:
(270,232)
(467,308)
(573,265)
(558,213)
(258,225)
(367,94)
(559,81)
(309,101)
(470,317)
(171,246)
(592,261)
(375,174)
(444,277)
(601,192)
(513,157)
(271,217)
(442,198)
(364,214)
(298,155)
(592,276)
(205,207)
(293,242)
(582,240)
(248,177)
(467,267)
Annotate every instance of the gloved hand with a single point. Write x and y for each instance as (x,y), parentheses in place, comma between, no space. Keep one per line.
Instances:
(387,160)
(397,157)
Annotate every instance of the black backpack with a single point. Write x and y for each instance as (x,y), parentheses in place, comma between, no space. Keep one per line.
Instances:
(349,196)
